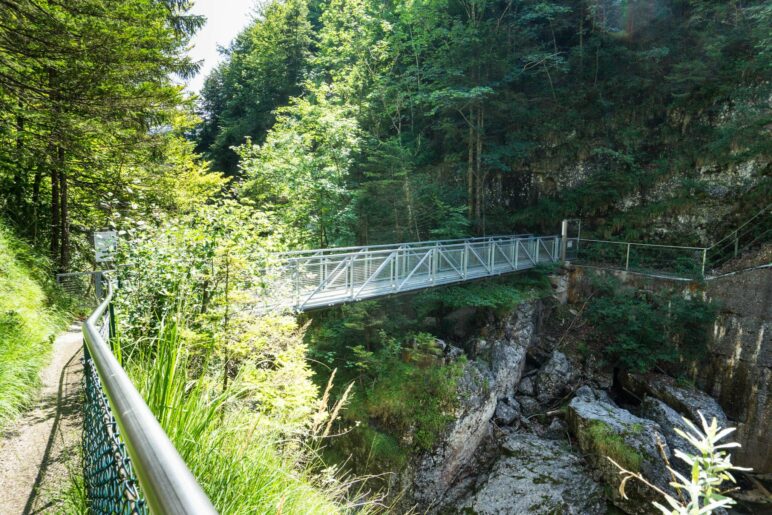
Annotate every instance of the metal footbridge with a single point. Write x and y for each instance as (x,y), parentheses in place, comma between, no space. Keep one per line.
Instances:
(309,279)
(131,466)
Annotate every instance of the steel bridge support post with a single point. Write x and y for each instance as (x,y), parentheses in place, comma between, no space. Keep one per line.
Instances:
(563,239)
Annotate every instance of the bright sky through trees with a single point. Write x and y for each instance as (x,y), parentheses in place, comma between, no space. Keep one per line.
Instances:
(224,19)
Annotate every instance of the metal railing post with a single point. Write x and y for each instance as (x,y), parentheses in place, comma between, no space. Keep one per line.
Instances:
(563,239)
(736,244)
(704,260)
(627,258)
(465,259)
(517,253)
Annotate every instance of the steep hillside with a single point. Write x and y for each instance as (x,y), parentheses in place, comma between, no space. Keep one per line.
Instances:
(30,317)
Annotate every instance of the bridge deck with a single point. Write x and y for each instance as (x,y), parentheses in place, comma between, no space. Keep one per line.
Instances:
(326,277)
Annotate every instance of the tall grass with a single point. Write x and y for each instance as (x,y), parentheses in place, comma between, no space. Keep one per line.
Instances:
(240,459)
(29,320)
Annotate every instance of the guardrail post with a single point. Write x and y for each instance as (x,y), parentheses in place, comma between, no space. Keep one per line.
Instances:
(736,244)
(465,259)
(433,265)
(98,286)
(517,252)
(704,260)
(563,239)
(627,258)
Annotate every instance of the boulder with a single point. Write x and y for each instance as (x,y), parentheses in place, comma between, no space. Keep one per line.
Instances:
(603,430)
(686,401)
(526,387)
(557,430)
(591,394)
(506,413)
(507,361)
(553,378)
(669,419)
(434,472)
(534,475)
(528,405)
(485,384)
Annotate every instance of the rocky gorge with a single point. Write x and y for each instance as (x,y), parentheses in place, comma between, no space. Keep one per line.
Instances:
(537,418)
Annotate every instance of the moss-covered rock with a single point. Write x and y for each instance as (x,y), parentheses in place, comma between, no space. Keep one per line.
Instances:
(605,431)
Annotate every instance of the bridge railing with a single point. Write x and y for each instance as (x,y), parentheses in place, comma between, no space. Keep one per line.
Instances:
(324,277)
(130,465)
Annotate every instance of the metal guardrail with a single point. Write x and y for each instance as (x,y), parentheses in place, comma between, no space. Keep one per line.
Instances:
(130,465)
(670,260)
(754,231)
(326,277)
(667,260)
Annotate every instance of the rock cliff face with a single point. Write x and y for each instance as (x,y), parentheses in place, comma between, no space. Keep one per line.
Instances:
(534,475)
(490,377)
(535,425)
(738,371)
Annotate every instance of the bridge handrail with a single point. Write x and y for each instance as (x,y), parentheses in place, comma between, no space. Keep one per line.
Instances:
(617,242)
(737,229)
(166,483)
(348,250)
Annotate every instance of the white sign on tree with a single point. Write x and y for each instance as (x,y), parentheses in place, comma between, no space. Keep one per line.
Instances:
(105,245)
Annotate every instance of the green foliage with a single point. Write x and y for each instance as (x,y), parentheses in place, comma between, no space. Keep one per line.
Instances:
(497,294)
(299,174)
(480,116)
(610,444)
(263,69)
(91,117)
(640,329)
(241,455)
(404,392)
(704,491)
(233,390)
(414,401)
(32,312)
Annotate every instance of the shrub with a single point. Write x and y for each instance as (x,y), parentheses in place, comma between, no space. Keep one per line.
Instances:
(639,329)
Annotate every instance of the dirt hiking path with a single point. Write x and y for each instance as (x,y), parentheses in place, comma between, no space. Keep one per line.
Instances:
(37,452)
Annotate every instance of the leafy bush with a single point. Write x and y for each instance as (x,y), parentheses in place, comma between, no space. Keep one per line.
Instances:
(498,294)
(639,329)
(704,492)
(232,389)
(241,455)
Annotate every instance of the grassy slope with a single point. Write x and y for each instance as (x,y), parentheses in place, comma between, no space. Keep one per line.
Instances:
(243,464)
(29,321)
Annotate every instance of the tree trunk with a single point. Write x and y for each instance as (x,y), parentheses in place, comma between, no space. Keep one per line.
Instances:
(470,168)
(64,221)
(478,166)
(36,202)
(55,229)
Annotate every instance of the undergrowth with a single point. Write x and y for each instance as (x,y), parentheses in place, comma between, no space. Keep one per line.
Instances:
(405,391)
(244,460)
(32,312)
(639,329)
